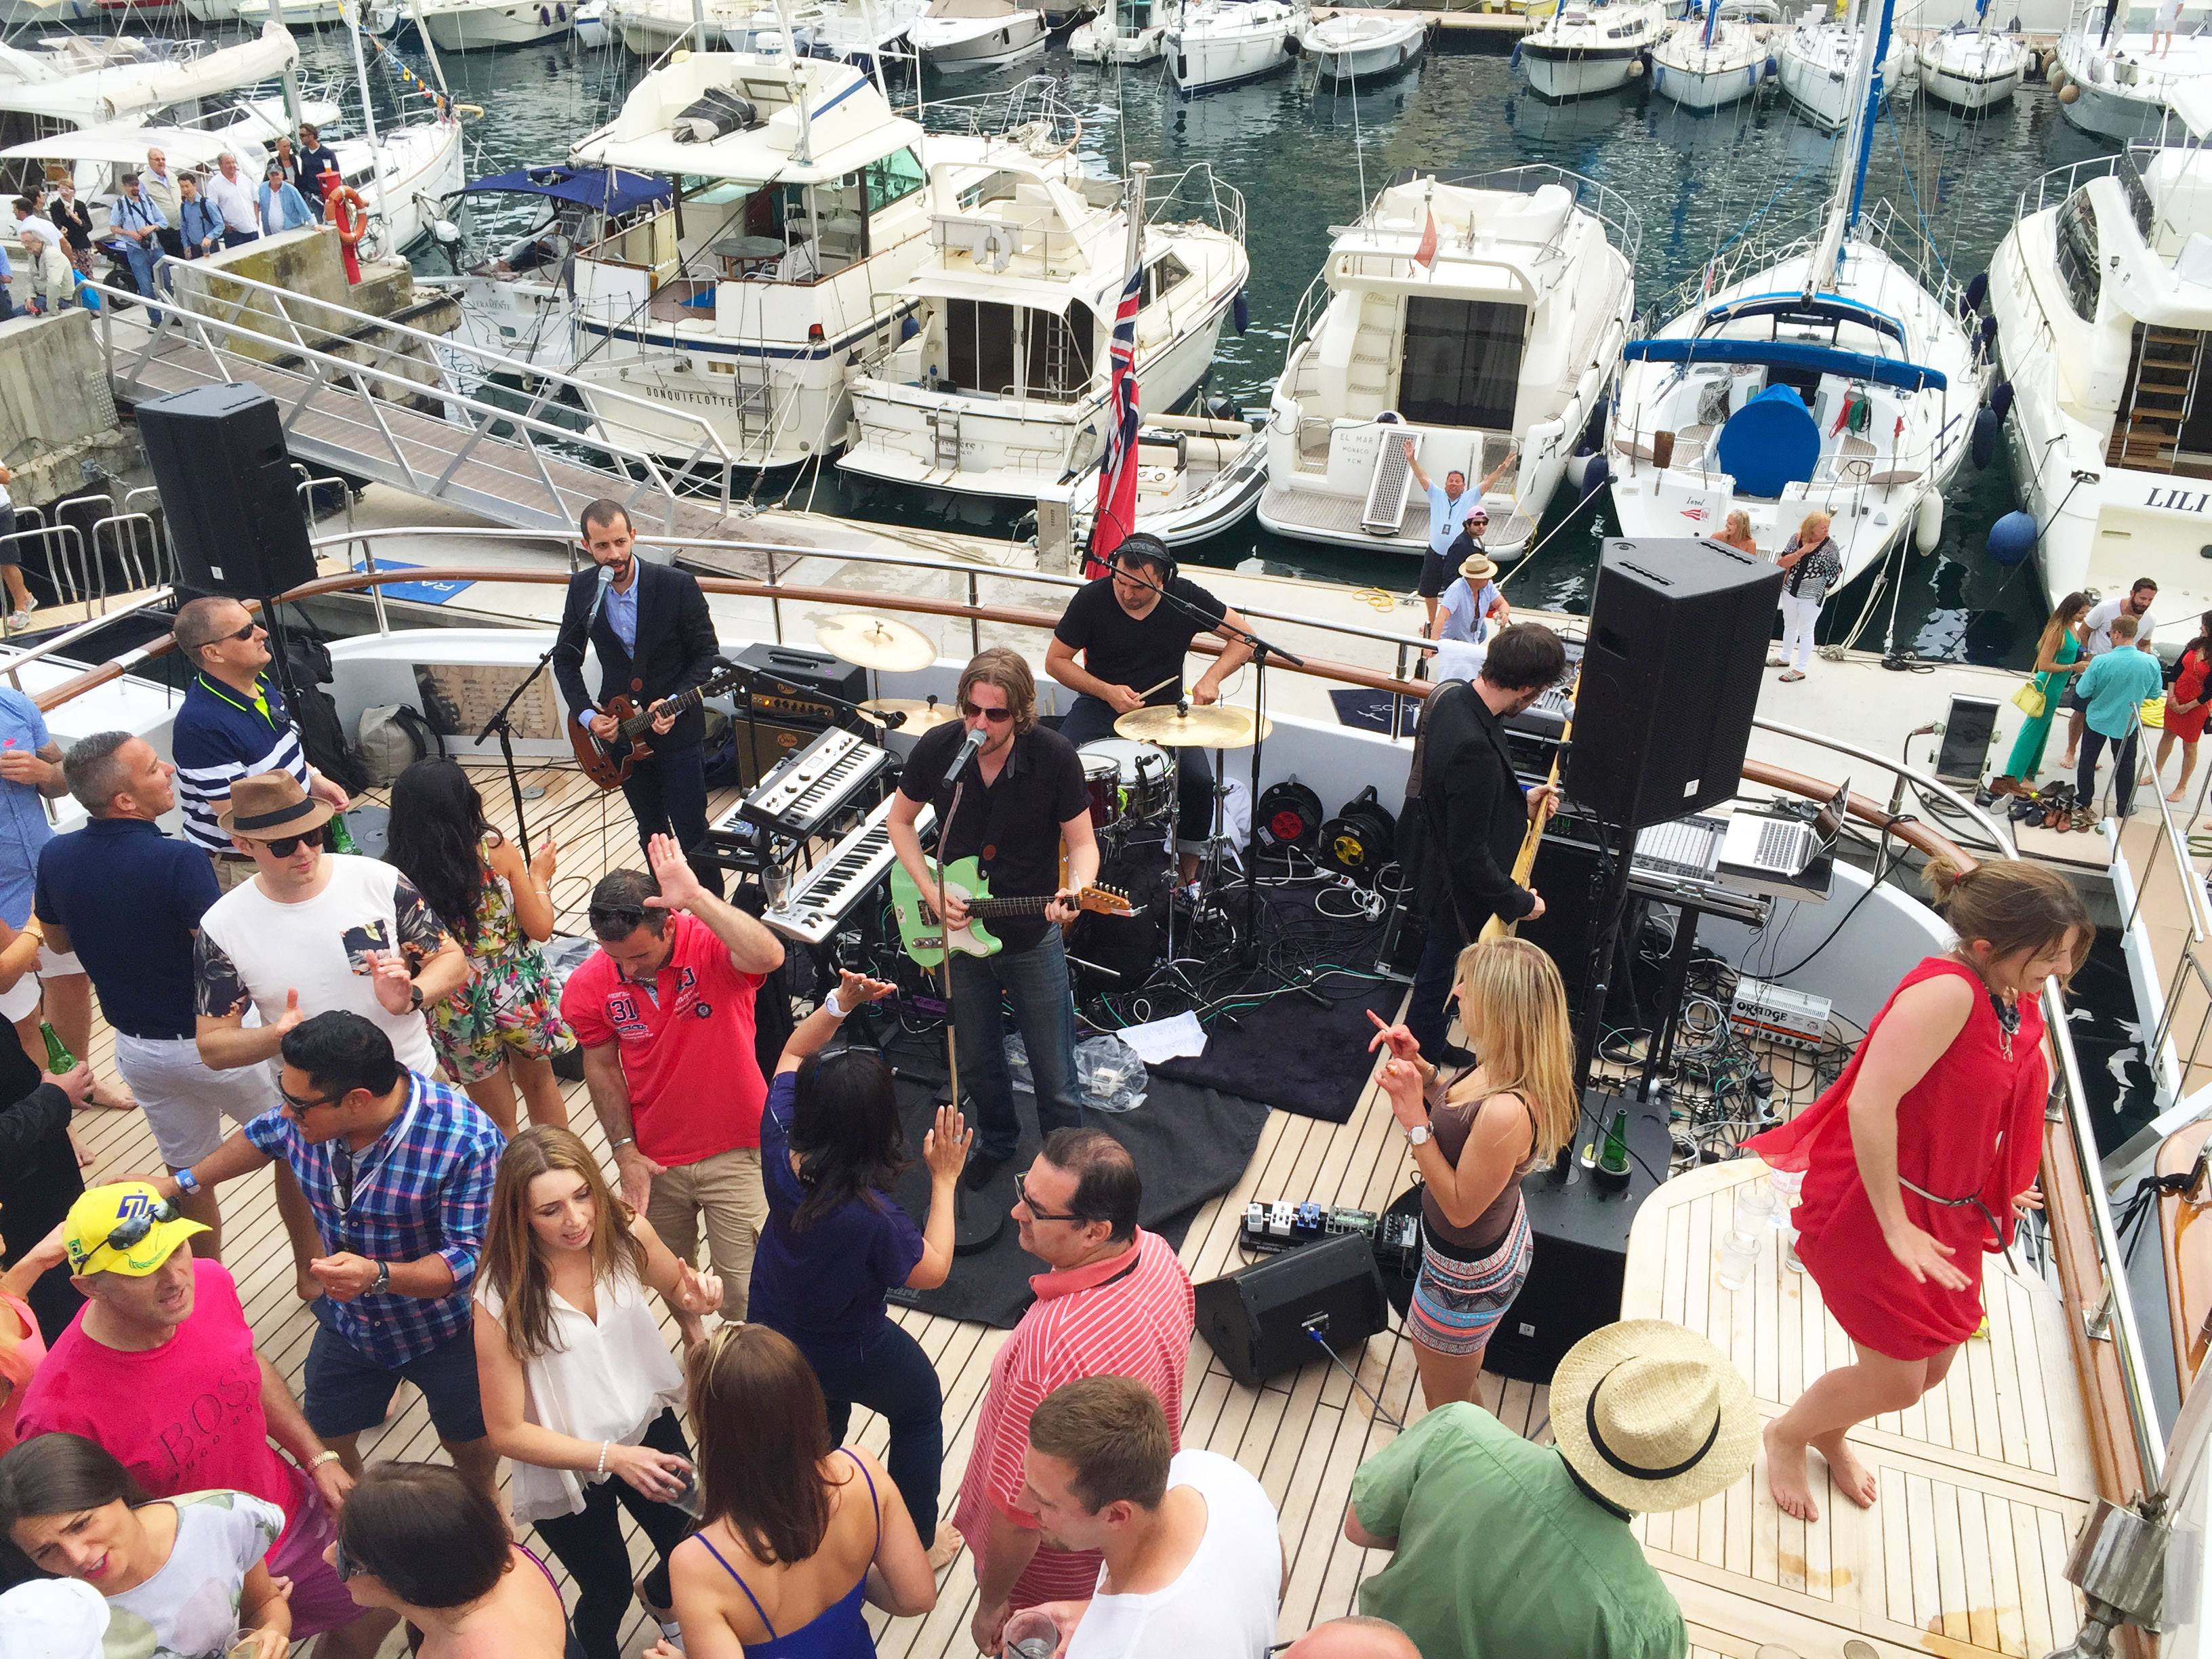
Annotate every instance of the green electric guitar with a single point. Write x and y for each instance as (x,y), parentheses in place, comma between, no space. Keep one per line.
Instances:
(926,942)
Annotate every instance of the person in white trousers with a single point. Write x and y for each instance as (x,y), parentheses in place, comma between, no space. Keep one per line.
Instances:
(1813,565)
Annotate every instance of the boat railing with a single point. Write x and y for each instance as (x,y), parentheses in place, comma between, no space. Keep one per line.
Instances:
(1034,105)
(1170,199)
(1909,247)
(2169,855)
(2052,189)
(1603,202)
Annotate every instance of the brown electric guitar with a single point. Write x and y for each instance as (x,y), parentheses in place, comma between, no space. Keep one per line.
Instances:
(607,760)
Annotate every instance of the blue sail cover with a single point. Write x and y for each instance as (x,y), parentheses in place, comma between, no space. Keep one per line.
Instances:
(611,190)
(1796,308)
(1892,372)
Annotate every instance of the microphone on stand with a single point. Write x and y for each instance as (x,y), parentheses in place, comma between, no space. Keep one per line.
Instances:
(969,750)
(599,599)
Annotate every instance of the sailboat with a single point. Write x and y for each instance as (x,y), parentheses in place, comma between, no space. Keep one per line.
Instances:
(1971,69)
(1830,374)
(1814,66)
(1709,63)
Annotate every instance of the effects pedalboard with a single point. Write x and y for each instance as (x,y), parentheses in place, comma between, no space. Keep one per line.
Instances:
(1282,1225)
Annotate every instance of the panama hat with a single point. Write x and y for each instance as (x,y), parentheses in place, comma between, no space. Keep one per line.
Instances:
(1478,567)
(53,1618)
(271,807)
(1652,1415)
(124,1228)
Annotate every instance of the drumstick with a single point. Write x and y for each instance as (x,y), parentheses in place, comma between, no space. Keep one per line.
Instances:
(1524,861)
(1171,679)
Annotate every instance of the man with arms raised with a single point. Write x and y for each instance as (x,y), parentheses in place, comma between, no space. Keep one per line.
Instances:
(161,1369)
(1114,1301)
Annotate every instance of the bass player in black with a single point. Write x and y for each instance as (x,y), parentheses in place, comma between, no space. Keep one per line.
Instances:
(648,624)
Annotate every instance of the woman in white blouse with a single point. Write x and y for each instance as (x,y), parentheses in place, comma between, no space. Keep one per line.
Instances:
(579,1386)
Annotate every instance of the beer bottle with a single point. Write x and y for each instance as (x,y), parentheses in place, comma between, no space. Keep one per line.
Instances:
(59,1060)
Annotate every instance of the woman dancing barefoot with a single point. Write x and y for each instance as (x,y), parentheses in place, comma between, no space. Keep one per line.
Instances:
(1920,1158)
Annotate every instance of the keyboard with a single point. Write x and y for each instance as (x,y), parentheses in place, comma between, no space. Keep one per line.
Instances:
(820,899)
(1687,847)
(1779,845)
(807,790)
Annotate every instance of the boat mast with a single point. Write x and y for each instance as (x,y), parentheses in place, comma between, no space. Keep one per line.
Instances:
(351,12)
(1871,110)
(1712,15)
(1827,259)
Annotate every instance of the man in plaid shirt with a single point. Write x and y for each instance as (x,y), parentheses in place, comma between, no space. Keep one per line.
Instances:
(397,1169)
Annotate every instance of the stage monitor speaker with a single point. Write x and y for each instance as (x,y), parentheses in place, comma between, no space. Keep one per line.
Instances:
(1678,632)
(229,491)
(1581,1261)
(1262,1320)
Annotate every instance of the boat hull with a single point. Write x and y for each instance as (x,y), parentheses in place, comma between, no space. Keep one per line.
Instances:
(1565,72)
(1203,58)
(1982,75)
(480,27)
(1003,41)
(1370,63)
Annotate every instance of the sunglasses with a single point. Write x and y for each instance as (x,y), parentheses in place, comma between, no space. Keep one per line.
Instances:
(341,1563)
(1038,1212)
(301,1106)
(290,845)
(134,1231)
(996,716)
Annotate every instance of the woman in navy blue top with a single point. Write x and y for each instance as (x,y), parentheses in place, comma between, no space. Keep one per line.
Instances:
(836,1241)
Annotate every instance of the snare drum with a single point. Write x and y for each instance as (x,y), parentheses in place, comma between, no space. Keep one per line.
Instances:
(1139,788)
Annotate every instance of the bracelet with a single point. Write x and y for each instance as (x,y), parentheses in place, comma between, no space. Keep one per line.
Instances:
(627,1140)
(603,1458)
(832,1006)
(326,1456)
(189,1185)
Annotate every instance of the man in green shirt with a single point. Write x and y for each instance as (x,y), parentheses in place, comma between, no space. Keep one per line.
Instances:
(1502,1548)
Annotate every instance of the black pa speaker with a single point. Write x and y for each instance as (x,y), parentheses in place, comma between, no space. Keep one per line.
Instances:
(1581,1261)
(229,491)
(1262,1320)
(1678,632)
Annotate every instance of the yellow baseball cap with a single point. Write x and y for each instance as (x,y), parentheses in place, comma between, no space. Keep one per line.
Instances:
(124,1228)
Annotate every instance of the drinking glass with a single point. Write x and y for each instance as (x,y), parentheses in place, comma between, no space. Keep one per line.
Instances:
(1031,1635)
(1754,1206)
(776,885)
(1739,1256)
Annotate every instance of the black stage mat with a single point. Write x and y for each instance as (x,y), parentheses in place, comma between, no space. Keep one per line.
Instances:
(1291,1053)
(1190,1145)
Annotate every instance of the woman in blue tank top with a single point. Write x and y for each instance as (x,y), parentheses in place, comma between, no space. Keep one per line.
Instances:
(794,1534)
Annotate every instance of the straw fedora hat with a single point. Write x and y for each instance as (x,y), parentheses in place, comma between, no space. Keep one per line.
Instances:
(271,807)
(1478,567)
(1653,1416)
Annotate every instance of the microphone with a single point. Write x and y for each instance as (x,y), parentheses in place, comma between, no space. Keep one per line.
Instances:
(599,599)
(967,751)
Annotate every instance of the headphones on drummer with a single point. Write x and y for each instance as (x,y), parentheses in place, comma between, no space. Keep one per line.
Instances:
(1141,545)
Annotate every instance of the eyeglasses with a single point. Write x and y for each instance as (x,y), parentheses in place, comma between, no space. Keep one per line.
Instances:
(996,716)
(244,633)
(284,849)
(1037,1213)
(341,1563)
(293,1100)
(134,1230)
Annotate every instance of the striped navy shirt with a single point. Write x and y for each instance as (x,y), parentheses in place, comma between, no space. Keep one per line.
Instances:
(221,737)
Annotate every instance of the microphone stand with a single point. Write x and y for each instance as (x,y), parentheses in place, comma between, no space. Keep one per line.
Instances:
(501,723)
(968,1238)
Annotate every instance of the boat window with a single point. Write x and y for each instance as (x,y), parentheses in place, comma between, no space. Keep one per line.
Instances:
(2076,235)
(979,355)
(1162,274)
(1058,364)
(1461,365)
(894,178)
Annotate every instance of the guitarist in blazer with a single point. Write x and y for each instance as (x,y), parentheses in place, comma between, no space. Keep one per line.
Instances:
(1468,814)
(654,638)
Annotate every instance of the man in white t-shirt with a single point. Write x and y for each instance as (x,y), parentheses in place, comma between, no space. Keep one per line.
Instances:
(1193,1562)
(2097,640)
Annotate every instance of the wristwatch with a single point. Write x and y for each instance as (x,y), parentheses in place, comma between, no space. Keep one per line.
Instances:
(1420,1134)
(383,1281)
(414,997)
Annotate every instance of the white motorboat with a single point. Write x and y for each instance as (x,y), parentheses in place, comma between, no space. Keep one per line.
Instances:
(1814,64)
(1001,388)
(1583,49)
(591,22)
(1711,61)
(971,34)
(2119,78)
(651,28)
(1219,43)
(1831,372)
(1971,70)
(1350,47)
(1122,32)
(87,81)
(1469,315)
(474,25)
(1197,477)
(2102,291)
(849,31)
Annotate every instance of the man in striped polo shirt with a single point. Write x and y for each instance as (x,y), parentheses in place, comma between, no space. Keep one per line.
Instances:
(233,723)
(1115,1302)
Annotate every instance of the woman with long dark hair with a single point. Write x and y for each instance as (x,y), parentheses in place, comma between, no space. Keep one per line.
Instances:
(504,1026)
(2185,707)
(1920,1158)
(181,1575)
(2058,659)
(578,1389)
(420,1541)
(836,1242)
(795,1532)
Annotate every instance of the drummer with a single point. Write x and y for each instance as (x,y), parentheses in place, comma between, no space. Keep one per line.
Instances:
(1133,628)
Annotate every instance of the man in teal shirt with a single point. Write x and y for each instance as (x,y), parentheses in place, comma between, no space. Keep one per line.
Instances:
(1503,1549)
(2112,690)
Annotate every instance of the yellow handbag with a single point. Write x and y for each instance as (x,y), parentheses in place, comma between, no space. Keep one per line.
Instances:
(2030,700)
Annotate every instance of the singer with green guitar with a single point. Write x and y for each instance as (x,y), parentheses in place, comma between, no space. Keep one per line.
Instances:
(1021,795)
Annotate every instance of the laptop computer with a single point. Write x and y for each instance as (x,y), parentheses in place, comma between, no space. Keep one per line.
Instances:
(1783,847)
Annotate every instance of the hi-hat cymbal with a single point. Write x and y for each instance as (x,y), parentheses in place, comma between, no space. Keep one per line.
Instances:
(1195,727)
(876,642)
(919,716)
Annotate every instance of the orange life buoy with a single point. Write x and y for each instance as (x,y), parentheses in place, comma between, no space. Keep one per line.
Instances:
(353,226)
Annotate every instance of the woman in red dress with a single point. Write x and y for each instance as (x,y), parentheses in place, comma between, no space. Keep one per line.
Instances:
(2185,707)
(1920,1159)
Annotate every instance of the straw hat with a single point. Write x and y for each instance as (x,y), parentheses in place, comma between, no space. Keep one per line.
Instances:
(271,807)
(1653,1416)
(1478,567)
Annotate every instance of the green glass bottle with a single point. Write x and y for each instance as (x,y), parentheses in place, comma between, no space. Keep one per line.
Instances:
(1614,1158)
(341,839)
(59,1060)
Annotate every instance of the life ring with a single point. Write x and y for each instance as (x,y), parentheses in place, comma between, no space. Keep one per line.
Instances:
(351,227)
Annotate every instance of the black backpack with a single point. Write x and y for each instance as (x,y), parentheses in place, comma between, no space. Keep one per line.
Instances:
(315,712)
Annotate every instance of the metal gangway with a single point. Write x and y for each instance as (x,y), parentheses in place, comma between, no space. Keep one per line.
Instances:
(375,398)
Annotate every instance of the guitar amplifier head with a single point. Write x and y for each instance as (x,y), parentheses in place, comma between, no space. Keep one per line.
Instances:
(784,674)
(782,706)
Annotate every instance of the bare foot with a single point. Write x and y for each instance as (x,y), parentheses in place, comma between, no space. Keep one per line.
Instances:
(1852,1478)
(2174,793)
(111,1096)
(2069,764)
(948,1544)
(1785,1474)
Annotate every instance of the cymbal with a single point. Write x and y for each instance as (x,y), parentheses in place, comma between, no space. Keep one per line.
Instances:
(876,642)
(919,716)
(1197,727)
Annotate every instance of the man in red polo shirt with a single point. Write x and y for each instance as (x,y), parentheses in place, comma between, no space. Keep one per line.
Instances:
(1116,1302)
(663,1010)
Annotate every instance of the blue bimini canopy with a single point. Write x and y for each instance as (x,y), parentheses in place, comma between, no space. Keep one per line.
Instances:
(1892,372)
(611,190)
(1821,308)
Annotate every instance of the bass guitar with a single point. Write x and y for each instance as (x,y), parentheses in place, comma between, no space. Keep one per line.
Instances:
(607,760)
(928,942)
